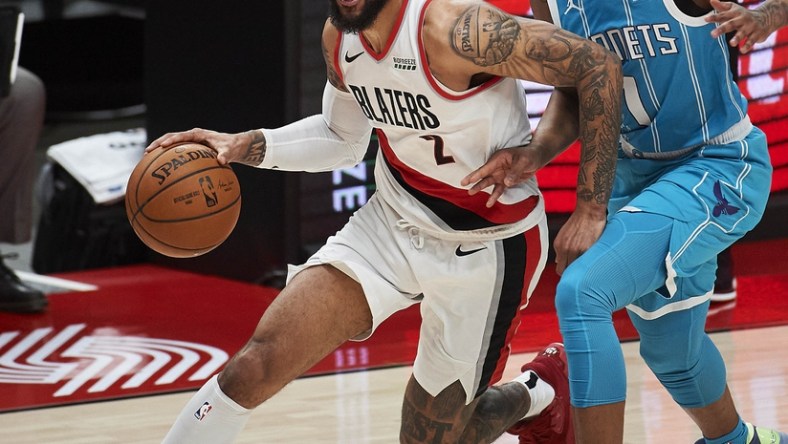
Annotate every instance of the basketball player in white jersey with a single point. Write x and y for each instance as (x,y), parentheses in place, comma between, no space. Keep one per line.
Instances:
(437,81)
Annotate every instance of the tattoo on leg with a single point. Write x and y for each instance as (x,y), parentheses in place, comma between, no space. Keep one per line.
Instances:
(417,427)
(497,409)
(428,419)
(446,419)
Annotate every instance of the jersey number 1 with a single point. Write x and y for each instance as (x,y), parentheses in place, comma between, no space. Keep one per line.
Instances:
(633,102)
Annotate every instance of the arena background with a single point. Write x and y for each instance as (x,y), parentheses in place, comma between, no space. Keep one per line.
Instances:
(232,65)
(268,71)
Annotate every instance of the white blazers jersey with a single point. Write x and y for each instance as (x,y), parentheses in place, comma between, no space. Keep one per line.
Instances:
(431,137)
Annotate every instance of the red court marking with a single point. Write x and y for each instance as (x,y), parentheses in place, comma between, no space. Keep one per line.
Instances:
(147,304)
(154,319)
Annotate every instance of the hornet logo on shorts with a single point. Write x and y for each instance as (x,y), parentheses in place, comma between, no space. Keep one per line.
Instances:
(722,207)
(202,411)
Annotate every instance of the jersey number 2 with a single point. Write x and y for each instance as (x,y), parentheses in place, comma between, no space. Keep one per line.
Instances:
(440,157)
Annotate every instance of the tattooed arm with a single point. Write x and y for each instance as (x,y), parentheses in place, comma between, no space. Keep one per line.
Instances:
(464,40)
(751,26)
(559,124)
(248,147)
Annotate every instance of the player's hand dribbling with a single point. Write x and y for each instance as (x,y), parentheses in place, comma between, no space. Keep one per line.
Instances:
(229,147)
(505,168)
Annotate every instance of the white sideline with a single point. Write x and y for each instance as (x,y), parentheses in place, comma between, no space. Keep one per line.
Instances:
(65,284)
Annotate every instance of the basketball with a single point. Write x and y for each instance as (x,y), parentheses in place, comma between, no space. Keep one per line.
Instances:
(181,202)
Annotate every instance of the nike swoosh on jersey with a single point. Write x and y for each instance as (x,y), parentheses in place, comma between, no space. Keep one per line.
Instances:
(460,253)
(350,59)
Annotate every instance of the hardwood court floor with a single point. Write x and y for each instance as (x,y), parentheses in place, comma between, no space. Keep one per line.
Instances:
(363,407)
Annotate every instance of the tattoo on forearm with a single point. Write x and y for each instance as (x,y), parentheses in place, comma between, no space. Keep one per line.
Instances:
(484,35)
(587,156)
(599,136)
(594,105)
(772,15)
(574,62)
(255,152)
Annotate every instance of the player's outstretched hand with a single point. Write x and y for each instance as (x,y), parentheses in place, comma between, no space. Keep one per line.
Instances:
(505,168)
(750,25)
(229,147)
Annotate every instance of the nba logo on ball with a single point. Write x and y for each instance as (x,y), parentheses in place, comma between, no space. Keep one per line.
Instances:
(181,201)
(208,191)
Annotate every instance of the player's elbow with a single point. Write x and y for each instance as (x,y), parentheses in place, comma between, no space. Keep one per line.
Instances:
(612,64)
(357,149)
(605,72)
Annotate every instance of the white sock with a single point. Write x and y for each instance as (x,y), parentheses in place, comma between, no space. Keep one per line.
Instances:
(542,394)
(209,417)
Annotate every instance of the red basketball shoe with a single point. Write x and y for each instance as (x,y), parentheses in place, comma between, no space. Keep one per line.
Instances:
(554,424)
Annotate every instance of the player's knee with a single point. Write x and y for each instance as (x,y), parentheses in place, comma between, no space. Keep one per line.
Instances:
(577,297)
(566,297)
(693,379)
(250,377)
(674,366)
(664,363)
(675,353)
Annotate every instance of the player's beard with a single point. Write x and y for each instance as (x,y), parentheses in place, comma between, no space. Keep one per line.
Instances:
(369,13)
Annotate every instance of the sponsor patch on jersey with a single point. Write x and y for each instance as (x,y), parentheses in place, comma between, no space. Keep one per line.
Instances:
(405,64)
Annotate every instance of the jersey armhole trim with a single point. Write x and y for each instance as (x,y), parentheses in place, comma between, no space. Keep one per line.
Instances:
(681,17)
(337,52)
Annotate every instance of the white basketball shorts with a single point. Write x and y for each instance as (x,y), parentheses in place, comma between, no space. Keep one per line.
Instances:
(471,292)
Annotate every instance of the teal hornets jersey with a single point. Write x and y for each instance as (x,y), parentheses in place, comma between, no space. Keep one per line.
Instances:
(679,91)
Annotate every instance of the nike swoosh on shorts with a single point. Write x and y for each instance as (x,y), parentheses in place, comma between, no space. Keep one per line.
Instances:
(460,253)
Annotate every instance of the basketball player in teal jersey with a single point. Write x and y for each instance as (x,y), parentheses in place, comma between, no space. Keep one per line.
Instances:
(693,176)
(438,80)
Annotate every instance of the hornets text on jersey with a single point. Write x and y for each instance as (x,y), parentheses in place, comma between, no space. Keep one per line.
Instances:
(671,66)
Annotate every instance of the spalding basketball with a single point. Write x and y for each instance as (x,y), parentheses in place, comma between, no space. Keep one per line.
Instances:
(181,202)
